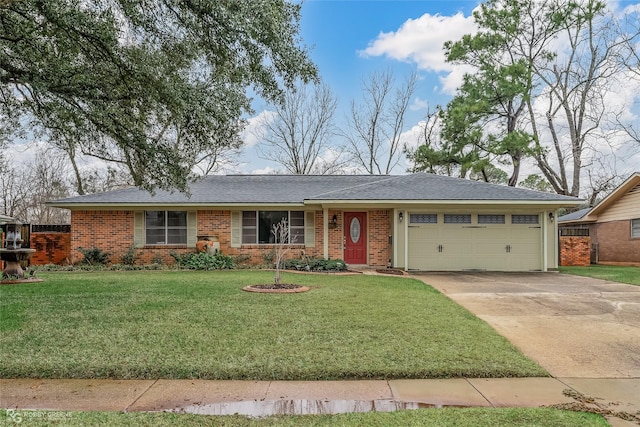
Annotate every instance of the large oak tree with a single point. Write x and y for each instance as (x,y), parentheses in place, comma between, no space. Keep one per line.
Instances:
(152,85)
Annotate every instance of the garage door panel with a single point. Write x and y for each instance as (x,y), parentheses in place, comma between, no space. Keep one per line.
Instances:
(489,247)
(526,249)
(493,247)
(423,246)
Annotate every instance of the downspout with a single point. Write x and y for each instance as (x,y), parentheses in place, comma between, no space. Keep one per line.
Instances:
(395,238)
(545,231)
(556,239)
(405,229)
(325,230)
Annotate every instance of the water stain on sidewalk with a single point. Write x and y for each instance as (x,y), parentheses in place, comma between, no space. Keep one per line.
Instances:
(258,409)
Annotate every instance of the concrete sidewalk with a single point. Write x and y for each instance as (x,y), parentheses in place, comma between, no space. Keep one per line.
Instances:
(262,398)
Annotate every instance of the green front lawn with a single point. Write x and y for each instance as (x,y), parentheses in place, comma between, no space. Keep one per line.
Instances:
(187,324)
(630,275)
(466,417)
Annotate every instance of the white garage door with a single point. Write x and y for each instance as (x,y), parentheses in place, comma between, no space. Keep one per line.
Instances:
(443,242)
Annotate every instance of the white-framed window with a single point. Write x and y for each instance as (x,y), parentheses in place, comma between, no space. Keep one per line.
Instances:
(635,228)
(165,227)
(257,226)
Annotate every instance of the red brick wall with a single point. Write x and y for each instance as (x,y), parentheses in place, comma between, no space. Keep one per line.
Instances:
(109,231)
(575,251)
(615,243)
(379,231)
(336,235)
(51,248)
(112,231)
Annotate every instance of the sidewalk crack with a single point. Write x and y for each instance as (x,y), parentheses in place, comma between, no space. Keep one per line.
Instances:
(140,396)
(480,393)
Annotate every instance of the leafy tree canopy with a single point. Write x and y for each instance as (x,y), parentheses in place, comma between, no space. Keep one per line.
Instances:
(147,84)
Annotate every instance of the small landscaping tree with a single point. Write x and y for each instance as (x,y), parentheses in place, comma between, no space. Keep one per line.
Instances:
(282,244)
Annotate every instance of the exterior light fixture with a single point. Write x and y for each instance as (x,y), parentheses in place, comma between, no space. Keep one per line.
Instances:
(400,216)
(334,219)
(551,216)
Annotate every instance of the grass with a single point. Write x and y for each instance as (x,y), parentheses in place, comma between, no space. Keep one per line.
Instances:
(630,275)
(202,325)
(471,417)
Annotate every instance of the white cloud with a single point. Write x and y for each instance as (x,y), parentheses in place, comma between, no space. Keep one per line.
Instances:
(414,137)
(253,132)
(632,8)
(419,104)
(453,80)
(265,171)
(421,41)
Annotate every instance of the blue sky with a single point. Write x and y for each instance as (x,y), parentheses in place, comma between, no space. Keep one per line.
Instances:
(350,39)
(345,39)
(339,30)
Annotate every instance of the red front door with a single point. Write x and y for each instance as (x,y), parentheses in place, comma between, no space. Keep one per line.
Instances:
(355,237)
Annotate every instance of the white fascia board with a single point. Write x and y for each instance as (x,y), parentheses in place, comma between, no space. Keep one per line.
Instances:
(185,206)
(402,203)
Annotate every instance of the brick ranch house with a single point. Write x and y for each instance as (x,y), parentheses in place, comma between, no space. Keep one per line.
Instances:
(413,222)
(613,225)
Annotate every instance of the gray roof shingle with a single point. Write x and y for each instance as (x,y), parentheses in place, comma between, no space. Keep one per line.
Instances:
(574,215)
(296,189)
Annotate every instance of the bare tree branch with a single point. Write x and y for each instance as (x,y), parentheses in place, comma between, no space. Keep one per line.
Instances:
(374,127)
(299,136)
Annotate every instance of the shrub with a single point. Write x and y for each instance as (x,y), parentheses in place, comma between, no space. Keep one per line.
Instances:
(204,261)
(315,264)
(242,261)
(268,257)
(94,256)
(130,256)
(125,267)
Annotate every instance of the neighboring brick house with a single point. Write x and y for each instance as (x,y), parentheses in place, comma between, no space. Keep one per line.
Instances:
(415,222)
(613,224)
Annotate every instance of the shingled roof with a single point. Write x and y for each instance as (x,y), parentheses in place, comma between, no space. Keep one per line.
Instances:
(300,189)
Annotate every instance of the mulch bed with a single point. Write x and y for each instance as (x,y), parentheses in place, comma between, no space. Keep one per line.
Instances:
(272,288)
(19,281)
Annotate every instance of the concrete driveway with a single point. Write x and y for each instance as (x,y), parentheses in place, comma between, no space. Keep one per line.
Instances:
(573,326)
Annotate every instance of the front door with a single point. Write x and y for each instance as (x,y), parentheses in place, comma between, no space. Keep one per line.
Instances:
(355,237)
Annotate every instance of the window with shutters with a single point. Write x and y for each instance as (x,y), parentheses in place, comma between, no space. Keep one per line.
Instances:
(257,226)
(165,227)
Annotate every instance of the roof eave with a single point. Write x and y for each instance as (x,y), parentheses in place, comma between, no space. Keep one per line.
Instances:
(551,203)
(202,205)
(622,189)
